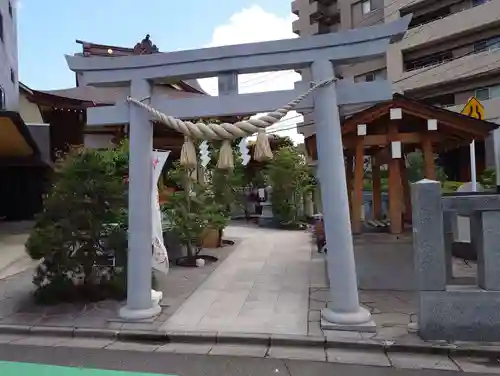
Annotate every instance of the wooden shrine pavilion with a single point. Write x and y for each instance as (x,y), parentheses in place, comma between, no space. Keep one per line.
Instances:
(386,133)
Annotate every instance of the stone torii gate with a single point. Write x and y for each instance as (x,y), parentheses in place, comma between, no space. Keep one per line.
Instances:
(319,53)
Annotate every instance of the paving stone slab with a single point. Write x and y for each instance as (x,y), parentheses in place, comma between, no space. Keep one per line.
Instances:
(133,346)
(296,352)
(87,343)
(246,338)
(422,361)
(186,348)
(39,341)
(192,336)
(291,340)
(256,351)
(8,338)
(481,365)
(366,358)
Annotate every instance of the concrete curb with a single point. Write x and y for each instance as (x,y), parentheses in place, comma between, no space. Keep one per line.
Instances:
(442,348)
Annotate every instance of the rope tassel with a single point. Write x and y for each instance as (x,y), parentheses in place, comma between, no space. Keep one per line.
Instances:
(262,150)
(188,154)
(226,158)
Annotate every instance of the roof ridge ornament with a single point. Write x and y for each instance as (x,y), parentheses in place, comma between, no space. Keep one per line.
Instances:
(145,46)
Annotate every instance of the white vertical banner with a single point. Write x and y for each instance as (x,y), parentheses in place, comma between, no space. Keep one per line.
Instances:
(160,256)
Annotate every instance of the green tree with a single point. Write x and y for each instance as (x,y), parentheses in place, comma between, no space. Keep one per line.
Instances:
(290,178)
(80,236)
(415,168)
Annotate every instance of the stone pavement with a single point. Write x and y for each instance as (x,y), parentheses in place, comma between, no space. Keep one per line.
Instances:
(18,308)
(392,311)
(61,350)
(13,258)
(260,288)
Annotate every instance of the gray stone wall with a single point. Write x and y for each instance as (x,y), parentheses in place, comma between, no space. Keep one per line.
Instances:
(447,312)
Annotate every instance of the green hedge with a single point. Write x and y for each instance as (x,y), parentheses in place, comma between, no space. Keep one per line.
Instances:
(447,186)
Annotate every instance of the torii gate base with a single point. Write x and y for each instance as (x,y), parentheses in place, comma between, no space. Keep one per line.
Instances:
(317,53)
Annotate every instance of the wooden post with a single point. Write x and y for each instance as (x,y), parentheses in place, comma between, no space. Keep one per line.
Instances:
(357,200)
(349,178)
(406,191)
(429,168)
(395,212)
(376,189)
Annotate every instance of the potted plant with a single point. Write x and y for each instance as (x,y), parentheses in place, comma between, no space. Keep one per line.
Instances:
(216,219)
(186,215)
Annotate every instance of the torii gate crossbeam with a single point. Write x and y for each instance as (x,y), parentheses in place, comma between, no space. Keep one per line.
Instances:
(318,53)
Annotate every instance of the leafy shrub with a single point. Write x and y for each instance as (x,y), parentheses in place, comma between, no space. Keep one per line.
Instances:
(488,178)
(81,235)
(290,178)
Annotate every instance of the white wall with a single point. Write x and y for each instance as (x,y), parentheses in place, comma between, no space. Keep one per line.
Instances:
(98,141)
(8,55)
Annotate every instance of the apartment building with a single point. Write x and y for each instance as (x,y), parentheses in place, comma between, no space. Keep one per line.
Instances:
(9,86)
(450,52)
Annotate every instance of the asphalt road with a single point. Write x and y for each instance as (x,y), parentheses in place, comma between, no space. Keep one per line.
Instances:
(87,360)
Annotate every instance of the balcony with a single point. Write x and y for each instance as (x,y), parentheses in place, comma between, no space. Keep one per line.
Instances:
(325,2)
(327,15)
(296,7)
(296,27)
(454,70)
(456,24)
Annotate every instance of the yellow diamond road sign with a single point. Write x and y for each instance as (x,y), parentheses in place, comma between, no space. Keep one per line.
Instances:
(474,109)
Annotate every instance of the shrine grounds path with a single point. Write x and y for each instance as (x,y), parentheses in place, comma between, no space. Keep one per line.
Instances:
(262,287)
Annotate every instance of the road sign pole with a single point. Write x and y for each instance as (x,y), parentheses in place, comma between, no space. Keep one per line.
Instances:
(496,150)
(473,177)
(474,109)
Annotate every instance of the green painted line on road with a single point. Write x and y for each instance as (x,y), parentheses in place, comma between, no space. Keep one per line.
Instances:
(32,369)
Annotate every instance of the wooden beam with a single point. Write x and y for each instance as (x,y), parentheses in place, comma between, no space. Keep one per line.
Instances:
(357,200)
(395,194)
(406,191)
(350,142)
(376,190)
(349,168)
(452,121)
(429,167)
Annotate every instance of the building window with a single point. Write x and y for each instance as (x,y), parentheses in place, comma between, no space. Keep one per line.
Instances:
(377,75)
(476,3)
(10,9)
(428,17)
(366,6)
(2,99)
(12,76)
(487,93)
(428,61)
(445,100)
(490,45)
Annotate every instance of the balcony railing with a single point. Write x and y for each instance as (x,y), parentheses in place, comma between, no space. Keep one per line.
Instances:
(453,24)
(457,69)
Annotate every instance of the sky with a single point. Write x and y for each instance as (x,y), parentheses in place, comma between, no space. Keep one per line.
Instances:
(47,30)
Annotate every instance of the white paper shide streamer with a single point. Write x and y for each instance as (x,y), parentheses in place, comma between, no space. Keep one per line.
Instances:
(160,256)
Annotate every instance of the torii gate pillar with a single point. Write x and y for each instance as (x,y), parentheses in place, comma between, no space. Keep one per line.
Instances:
(139,304)
(343,311)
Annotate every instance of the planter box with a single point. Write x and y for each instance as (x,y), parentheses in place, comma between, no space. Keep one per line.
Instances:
(210,238)
(174,248)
